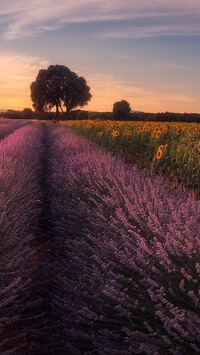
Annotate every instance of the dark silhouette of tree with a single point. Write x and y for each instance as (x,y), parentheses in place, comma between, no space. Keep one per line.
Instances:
(121,110)
(59,87)
(27,113)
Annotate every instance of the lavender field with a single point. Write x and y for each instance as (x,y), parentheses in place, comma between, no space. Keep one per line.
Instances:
(97,257)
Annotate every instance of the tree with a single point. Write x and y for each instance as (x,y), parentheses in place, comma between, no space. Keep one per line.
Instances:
(27,113)
(60,87)
(121,110)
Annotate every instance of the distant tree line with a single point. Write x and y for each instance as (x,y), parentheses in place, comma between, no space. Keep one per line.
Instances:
(95,115)
(28,113)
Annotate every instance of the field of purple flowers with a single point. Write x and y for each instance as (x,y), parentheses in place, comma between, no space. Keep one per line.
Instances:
(9,126)
(97,257)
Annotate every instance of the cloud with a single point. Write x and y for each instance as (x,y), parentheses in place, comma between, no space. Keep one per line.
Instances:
(24,18)
(177,66)
(152,31)
(17,73)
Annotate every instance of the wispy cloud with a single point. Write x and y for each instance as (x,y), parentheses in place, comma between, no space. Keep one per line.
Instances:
(177,66)
(15,79)
(150,30)
(24,18)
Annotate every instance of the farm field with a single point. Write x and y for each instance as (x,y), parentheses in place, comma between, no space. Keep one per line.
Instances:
(9,126)
(168,148)
(97,255)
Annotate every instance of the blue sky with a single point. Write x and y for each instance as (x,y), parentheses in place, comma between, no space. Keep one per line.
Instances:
(146,52)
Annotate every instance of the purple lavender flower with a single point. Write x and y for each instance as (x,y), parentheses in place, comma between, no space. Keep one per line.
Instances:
(96,256)
(121,240)
(20,261)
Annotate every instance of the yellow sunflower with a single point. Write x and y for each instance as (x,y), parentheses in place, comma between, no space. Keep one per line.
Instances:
(115,133)
(139,129)
(165,146)
(128,133)
(159,152)
(164,128)
(180,130)
(158,134)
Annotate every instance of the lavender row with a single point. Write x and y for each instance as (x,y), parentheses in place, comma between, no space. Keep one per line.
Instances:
(126,251)
(7,128)
(20,255)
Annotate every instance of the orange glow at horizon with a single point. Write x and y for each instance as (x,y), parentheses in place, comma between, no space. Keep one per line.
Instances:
(16,100)
(15,83)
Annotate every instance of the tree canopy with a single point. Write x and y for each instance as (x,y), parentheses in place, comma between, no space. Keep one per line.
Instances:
(121,110)
(59,87)
(27,113)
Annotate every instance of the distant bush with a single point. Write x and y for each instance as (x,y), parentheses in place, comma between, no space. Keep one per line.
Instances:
(72,115)
(45,115)
(82,115)
(121,110)
(95,115)
(166,117)
(27,113)
(14,114)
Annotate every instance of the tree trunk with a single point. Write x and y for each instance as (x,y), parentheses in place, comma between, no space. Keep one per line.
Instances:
(67,112)
(63,118)
(57,112)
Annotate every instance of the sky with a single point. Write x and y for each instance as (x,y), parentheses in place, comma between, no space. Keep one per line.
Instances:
(144,51)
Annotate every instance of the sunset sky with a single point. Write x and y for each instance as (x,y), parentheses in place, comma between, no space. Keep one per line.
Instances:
(146,52)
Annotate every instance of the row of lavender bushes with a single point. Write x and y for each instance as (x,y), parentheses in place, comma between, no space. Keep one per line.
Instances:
(7,127)
(126,256)
(21,314)
(124,266)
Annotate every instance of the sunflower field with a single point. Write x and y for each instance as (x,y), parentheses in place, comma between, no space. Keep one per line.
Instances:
(172,149)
